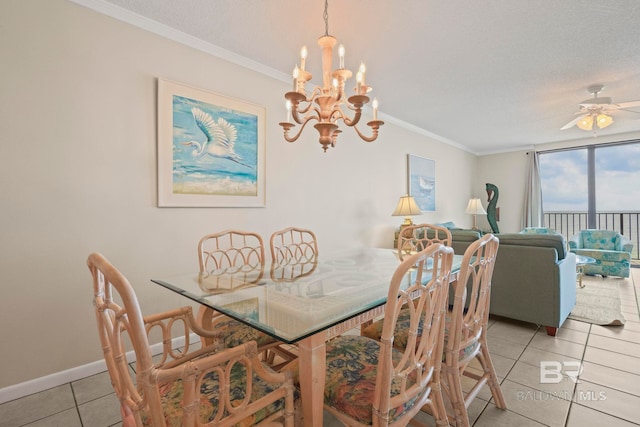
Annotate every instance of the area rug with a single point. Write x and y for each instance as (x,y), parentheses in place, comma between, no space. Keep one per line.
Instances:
(598,302)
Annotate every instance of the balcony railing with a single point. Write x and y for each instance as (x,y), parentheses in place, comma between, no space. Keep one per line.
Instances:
(569,223)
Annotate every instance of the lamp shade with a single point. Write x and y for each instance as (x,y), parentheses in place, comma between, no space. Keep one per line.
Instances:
(603,120)
(475,207)
(406,206)
(585,123)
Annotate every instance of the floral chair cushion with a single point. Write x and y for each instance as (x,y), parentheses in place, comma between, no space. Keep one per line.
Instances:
(236,333)
(374,331)
(350,383)
(171,394)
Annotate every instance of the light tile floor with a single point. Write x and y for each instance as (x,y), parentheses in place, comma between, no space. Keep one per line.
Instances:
(608,391)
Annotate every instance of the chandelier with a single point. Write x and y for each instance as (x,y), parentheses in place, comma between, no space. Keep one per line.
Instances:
(327,104)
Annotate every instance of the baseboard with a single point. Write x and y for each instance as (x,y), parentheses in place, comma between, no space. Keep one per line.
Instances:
(37,385)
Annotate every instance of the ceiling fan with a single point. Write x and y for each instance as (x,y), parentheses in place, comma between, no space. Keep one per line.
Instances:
(596,112)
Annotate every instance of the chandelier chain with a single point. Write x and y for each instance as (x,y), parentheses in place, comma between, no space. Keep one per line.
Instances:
(326,17)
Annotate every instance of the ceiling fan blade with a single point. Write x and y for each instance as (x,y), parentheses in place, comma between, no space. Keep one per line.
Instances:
(628,104)
(573,122)
(628,110)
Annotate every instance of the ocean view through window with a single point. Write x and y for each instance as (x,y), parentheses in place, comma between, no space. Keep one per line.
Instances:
(593,187)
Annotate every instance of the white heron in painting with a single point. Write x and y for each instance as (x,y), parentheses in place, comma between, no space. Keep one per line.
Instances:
(221,138)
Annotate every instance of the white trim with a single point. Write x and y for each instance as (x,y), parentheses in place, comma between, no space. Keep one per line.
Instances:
(56,379)
(170,33)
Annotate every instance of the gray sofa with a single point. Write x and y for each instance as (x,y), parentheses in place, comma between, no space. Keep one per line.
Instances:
(534,279)
(462,238)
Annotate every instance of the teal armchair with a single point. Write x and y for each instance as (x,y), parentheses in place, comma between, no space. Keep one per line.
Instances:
(610,249)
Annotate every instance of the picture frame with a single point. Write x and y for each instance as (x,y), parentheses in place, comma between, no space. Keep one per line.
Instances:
(211,149)
(421,177)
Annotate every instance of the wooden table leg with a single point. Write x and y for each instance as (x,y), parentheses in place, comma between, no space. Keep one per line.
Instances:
(580,274)
(205,318)
(312,355)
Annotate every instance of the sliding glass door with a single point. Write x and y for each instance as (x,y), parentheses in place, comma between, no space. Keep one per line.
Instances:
(565,191)
(597,186)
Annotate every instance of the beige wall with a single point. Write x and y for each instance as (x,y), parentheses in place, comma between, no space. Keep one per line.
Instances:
(78,155)
(508,171)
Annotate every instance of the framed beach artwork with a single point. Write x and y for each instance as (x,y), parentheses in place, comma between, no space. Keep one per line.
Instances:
(422,182)
(211,149)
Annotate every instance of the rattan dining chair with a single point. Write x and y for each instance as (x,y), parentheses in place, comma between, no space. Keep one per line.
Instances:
(236,253)
(466,337)
(189,387)
(293,245)
(231,250)
(370,382)
(294,254)
(415,238)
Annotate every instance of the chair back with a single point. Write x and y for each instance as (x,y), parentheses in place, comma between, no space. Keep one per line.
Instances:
(472,294)
(420,286)
(293,245)
(232,251)
(415,238)
(607,240)
(119,321)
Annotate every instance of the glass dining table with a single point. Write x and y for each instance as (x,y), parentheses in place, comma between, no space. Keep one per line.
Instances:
(306,302)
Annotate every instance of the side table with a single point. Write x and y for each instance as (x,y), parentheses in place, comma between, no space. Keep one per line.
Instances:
(581,261)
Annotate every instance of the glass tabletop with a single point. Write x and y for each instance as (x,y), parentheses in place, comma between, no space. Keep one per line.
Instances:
(295,300)
(583,259)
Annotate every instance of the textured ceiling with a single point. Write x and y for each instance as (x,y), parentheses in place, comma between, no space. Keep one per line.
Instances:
(489,75)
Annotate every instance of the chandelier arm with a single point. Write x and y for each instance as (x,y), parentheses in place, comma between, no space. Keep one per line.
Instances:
(351,122)
(295,113)
(337,114)
(297,135)
(375,125)
(307,108)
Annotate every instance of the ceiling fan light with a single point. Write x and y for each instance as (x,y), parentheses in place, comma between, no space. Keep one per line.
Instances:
(603,120)
(585,123)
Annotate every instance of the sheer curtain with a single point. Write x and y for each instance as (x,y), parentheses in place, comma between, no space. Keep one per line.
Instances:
(533,213)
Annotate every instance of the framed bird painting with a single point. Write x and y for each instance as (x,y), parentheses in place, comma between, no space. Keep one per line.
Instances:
(211,149)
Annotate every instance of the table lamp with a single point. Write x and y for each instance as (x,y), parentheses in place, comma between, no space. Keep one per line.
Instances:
(475,208)
(407,207)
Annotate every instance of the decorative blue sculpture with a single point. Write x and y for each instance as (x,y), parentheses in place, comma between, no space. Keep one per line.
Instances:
(492,192)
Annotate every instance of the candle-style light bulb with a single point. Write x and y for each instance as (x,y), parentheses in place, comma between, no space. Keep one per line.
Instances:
(303,57)
(359,82)
(375,108)
(296,73)
(288,105)
(341,55)
(363,70)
